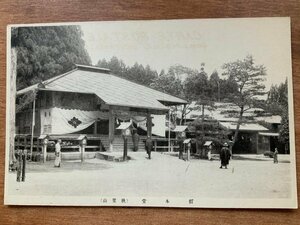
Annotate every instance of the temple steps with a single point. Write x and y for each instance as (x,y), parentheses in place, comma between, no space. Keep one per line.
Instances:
(119,143)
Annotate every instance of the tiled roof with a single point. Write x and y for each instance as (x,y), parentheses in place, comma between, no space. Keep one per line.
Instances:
(244,126)
(113,90)
(220,112)
(270,119)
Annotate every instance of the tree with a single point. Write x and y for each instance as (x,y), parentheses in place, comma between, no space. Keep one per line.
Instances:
(168,83)
(284,134)
(212,130)
(248,78)
(215,83)
(44,52)
(181,72)
(137,73)
(228,88)
(277,103)
(174,83)
(117,66)
(196,85)
(198,89)
(140,74)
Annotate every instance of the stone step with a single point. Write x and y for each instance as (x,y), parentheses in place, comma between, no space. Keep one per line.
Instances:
(119,143)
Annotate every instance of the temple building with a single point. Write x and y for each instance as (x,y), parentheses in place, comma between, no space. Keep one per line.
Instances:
(93,102)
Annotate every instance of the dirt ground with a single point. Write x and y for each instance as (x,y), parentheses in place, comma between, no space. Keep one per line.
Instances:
(163,175)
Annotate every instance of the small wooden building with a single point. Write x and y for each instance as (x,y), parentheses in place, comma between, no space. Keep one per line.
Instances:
(91,101)
(253,138)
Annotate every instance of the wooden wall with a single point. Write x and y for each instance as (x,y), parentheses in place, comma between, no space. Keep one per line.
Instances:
(50,99)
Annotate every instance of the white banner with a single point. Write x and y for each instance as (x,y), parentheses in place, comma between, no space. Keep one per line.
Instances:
(158,122)
(66,121)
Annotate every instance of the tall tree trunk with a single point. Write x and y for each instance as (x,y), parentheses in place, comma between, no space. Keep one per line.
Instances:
(12,106)
(183,114)
(237,128)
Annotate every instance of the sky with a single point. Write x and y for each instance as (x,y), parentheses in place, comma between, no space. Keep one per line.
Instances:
(163,43)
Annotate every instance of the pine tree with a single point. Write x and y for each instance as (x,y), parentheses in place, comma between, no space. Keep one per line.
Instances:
(248,78)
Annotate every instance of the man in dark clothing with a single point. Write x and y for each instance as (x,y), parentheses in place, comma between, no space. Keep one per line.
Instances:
(180,138)
(149,146)
(181,148)
(275,156)
(224,156)
(135,140)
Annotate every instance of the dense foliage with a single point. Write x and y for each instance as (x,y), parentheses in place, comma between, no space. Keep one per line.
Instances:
(44,52)
(137,73)
(277,103)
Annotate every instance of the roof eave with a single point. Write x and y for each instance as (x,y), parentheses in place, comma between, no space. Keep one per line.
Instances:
(139,107)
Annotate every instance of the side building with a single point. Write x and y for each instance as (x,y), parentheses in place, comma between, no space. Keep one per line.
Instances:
(258,131)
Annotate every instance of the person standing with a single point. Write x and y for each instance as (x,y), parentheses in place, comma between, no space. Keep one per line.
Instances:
(225,156)
(19,164)
(181,148)
(188,153)
(57,161)
(135,140)
(275,156)
(149,146)
(209,152)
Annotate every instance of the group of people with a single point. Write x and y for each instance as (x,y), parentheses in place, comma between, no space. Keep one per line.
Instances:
(225,153)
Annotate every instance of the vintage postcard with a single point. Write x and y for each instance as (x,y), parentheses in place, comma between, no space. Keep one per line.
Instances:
(159,113)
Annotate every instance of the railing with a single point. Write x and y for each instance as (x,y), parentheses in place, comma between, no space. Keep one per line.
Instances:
(71,144)
(23,141)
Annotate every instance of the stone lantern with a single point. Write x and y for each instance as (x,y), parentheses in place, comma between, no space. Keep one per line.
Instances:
(82,144)
(44,138)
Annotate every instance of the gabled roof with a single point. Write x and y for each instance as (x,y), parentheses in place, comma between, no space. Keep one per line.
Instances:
(113,90)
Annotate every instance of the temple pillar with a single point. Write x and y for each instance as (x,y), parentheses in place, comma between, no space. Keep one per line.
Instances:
(95,127)
(149,124)
(111,131)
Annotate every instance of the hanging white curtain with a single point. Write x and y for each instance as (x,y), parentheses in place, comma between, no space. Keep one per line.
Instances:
(158,121)
(65,121)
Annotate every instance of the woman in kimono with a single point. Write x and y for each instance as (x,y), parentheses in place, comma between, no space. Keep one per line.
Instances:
(225,156)
(57,153)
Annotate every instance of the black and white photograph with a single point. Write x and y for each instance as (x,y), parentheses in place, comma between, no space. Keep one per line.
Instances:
(193,113)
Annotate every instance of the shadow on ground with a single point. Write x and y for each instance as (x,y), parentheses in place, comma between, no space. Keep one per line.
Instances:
(39,167)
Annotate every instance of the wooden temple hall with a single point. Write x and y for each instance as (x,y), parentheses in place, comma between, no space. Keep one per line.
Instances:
(88,103)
